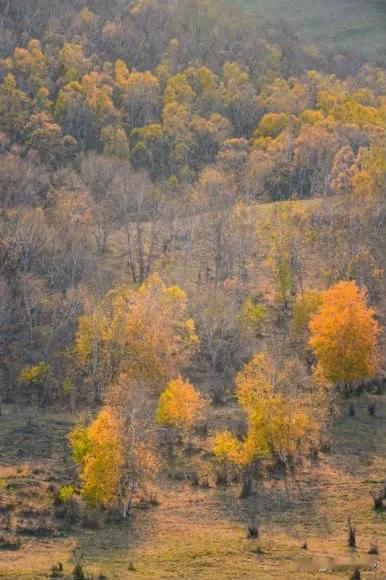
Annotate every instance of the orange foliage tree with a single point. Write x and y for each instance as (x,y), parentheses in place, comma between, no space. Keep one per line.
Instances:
(344,335)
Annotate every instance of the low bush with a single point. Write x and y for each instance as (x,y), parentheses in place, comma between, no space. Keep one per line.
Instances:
(38,529)
(92,519)
(373,549)
(253,529)
(65,494)
(57,570)
(194,479)
(10,542)
(221,477)
(378,501)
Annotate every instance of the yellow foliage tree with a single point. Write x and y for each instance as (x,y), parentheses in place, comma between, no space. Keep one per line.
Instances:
(180,405)
(145,332)
(255,381)
(228,449)
(305,307)
(277,428)
(280,420)
(99,451)
(113,457)
(344,335)
(281,428)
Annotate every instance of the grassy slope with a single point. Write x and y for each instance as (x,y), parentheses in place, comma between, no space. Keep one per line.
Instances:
(357,25)
(200,533)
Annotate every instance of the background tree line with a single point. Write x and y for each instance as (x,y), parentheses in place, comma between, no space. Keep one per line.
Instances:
(136,138)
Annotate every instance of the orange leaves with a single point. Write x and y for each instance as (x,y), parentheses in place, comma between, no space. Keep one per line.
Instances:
(344,334)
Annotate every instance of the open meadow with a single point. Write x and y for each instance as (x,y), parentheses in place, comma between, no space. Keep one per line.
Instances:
(199,529)
(356,25)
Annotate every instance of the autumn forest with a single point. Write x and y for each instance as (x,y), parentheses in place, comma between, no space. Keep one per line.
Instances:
(192,292)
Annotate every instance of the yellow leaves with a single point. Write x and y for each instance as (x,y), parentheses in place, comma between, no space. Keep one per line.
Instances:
(9,85)
(311,117)
(134,82)
(73,61)
(115,142)
(254,314)
(178,90)
(180,405)
(227,448)
(276,426)
(255,381)
(176,119)
(368,174)
(141,81)
(122,73)
(202,77)
(362,177)
(146,332)
(352,112)
(272,124)
(34,373)
(91,90)
(279,414)
(98,448)
(92,329)
(176,295)
(281,427)
(80,443)
(235,76)
(87,16)
(305,307)
(22,59)
(31,61)
(328,99)
(190,329)
(344,334)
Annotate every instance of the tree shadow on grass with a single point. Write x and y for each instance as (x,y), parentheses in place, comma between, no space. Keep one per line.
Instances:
(319,497)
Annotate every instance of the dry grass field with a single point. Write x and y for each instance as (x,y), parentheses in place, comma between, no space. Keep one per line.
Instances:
(353,25)
(200,531)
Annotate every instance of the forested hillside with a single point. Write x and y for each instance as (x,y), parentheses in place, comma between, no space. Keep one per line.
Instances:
(192,255)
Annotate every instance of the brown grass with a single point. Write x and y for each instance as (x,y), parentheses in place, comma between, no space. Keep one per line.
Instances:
(198,532)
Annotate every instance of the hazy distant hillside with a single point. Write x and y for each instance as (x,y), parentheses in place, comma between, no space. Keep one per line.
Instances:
(357,25)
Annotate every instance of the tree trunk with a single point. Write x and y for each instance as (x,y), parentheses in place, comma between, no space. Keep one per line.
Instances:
(126,508)
(246,489)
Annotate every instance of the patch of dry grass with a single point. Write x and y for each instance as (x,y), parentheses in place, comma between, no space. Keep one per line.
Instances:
(202,533)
